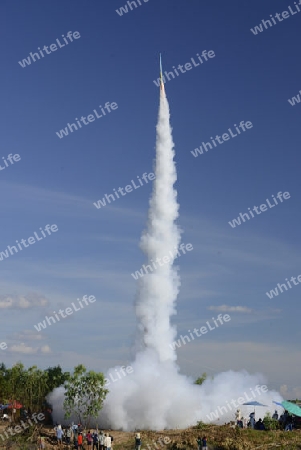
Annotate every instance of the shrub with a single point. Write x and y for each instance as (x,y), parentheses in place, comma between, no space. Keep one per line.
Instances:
(269,423)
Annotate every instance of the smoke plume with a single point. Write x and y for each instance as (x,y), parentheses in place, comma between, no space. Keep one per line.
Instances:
(155,395)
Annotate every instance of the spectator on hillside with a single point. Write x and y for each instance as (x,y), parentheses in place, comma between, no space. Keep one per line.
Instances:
(275,415)
(137,441)
(259,425)
(238,416)
(59,435)
(108,442)
(95,440)
(240,423)
(289,423)
(204,443)
(68,435)
(41,443)
(89,439)
(252,420)
(101,439)
(80,441)
(74,429)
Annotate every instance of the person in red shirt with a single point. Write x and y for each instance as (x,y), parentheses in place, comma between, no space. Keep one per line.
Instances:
(80,441)
(89,439)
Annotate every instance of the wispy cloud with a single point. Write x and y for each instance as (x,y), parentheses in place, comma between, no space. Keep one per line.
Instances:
(32,300)
(27,350)
(55,202)
(27,335)
(226,308)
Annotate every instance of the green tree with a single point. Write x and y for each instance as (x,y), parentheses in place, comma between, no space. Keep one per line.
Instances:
(55,377)
(16,377)
(201,379)
(3,383)
(84,394)
(35,388)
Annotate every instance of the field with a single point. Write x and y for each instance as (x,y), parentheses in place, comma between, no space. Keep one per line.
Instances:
(219,438)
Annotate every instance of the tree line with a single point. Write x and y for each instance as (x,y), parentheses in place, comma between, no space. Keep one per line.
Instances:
(84,394)
(29,386)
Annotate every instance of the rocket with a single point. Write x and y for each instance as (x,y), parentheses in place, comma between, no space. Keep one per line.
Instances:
(161,77)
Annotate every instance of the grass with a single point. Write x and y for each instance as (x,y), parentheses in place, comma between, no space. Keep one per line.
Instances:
(219,438)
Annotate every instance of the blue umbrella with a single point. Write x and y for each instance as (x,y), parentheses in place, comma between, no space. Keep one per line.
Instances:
(254,403)
(277,403)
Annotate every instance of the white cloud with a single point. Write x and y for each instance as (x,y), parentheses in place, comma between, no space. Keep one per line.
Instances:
(29,301)
(226,308)
(22,348)
(45,349)
(27,350)
(27,335)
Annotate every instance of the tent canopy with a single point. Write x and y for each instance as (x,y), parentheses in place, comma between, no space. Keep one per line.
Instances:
(292,408)
(254,404)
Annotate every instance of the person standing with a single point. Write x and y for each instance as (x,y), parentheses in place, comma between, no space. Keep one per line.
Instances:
(68,435)
(137,441)
(252,420)
(238,417)
(89,439)
(101,439)
(41,443)
(289,423)
(199,442)
(204,443)
(95,440)
(108,442)
(80,441)
(59,435)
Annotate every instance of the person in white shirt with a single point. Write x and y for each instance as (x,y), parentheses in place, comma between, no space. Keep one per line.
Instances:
(108,442)
(101,439)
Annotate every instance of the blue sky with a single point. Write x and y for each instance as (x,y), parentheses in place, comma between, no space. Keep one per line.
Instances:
(95,250)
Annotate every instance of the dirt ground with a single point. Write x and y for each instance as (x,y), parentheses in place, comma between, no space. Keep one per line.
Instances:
(219,438)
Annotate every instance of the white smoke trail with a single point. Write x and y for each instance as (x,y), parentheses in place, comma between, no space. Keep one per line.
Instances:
(157,292)
(155,396)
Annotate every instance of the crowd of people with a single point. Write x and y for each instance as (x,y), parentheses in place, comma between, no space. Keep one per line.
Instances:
(75,435)
(80,439)
(98,440)
(286,421)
